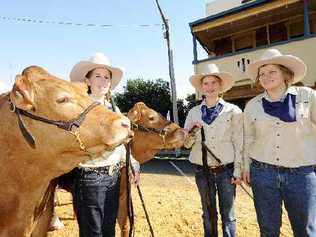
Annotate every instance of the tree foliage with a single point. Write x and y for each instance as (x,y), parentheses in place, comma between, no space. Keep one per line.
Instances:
(155,94)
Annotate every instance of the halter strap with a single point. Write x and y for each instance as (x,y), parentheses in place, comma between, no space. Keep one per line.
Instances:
(66,125)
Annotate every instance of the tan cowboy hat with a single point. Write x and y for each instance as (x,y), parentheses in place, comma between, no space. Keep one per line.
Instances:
(212,70)
(80,70)
(274,56)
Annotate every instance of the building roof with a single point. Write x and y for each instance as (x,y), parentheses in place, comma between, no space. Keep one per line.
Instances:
(229,12)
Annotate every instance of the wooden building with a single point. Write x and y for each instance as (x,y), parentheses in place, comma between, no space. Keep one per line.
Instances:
(235,37)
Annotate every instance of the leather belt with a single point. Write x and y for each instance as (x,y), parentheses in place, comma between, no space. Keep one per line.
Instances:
(218,169)
(108,170)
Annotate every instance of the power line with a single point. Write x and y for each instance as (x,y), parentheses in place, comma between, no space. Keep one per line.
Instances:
(88,25)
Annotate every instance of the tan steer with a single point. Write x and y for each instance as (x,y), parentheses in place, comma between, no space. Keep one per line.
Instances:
(153,132)
(33,152)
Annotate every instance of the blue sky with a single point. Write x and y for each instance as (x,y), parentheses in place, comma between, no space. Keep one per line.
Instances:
(141,51)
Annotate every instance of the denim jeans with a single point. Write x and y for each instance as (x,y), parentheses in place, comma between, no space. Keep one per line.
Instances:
(96,200)
(296,188)
(226,196)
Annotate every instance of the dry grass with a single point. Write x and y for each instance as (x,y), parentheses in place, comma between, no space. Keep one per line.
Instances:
(173,204)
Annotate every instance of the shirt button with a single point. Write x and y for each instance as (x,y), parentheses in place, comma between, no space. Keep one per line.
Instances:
(213,137)
(278,134)
(277,159)
(277,147)
(277,123)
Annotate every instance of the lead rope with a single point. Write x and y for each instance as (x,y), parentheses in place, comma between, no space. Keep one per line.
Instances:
(210,186)
(144,206)
(231,175)
(130,209)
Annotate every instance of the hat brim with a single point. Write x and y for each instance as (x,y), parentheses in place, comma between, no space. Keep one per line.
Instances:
(80,70)
(295,64)
(227,80)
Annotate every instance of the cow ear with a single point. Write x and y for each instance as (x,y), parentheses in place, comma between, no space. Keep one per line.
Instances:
(22,93)
(134,114)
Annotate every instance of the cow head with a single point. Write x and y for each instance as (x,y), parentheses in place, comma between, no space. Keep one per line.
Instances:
(46,96)
(153,131)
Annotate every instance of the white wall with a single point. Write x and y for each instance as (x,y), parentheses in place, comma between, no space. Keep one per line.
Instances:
(217,6)
(304,49)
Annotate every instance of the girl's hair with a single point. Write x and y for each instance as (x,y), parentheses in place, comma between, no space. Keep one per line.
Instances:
(287,73)
(108,95)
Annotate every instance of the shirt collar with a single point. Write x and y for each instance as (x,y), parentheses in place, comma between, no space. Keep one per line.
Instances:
(221,101)
(291,90)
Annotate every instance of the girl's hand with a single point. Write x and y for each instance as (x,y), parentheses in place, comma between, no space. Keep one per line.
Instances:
(246,178)
(134,179)
(236,181)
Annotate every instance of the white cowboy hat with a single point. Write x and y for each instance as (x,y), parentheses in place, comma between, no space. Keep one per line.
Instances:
(212,70)
(80,70)
(274,56)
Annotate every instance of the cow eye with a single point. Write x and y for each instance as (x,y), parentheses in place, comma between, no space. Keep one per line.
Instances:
(151,118)
(62,100)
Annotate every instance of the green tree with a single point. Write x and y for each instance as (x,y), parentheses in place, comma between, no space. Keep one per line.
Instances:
(154,93)
(191,101)
(182,112)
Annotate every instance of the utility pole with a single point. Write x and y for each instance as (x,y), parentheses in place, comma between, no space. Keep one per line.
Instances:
(171,69)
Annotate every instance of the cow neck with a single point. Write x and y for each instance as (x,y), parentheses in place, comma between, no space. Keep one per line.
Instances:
(66,125)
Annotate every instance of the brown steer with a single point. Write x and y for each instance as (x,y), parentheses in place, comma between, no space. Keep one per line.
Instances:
(25,169)
(153,132)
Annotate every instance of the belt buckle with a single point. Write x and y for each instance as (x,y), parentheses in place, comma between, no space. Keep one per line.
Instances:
(112,170)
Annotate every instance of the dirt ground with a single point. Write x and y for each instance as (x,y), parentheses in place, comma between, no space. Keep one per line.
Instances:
(173,203)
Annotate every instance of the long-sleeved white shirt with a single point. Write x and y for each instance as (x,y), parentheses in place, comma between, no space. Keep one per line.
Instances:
(268,139)
(109,158)
(224,136)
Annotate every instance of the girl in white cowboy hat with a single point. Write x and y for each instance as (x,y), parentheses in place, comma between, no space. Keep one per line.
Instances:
(222,125)
(96,189)
(280,145)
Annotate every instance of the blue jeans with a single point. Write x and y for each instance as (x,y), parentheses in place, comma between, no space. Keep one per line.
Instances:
(96,201)
(295,187)
(226,196)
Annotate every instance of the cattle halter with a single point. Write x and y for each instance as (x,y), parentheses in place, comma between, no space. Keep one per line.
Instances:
(66,125)
(162,132)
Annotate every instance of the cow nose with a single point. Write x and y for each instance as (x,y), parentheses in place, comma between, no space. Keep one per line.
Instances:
(130,134)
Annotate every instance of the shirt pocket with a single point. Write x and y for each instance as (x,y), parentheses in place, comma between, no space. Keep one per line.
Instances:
(223,125)
(264,126)
(303,109)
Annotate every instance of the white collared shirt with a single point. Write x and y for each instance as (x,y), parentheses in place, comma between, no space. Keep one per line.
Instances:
(223,136)
(109,158)
(271,140)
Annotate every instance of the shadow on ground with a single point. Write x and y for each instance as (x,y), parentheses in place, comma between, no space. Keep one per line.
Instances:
(164,166)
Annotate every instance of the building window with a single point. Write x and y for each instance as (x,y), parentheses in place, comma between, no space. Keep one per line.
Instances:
(223,46)
(313,23)
(243,41)
(278,32)
(261,36)
(296,29)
